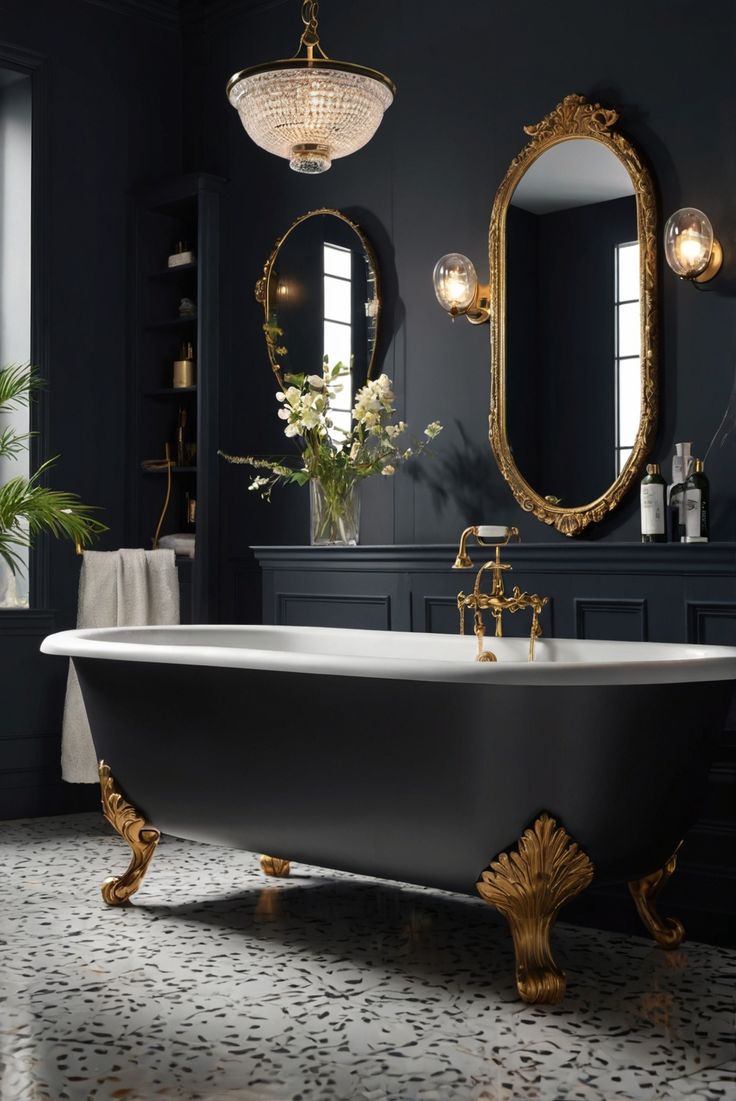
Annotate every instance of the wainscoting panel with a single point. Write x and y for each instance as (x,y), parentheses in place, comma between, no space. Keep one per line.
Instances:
(712,623)
(440,615)
(620,620)
(627,591)
(333,610)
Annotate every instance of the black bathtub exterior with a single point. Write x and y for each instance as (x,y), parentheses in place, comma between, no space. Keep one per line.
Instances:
(415,781)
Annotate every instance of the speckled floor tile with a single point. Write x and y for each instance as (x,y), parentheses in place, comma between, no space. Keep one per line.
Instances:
(219,985)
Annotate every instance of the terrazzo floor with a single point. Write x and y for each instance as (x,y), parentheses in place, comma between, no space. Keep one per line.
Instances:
(219,985)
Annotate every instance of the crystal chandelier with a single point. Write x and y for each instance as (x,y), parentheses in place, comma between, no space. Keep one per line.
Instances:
(309,108)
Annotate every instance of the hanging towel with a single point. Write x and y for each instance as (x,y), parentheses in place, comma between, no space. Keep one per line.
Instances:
(124,588)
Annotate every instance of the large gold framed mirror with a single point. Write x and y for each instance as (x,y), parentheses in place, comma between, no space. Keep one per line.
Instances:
(573,317)
(321,296)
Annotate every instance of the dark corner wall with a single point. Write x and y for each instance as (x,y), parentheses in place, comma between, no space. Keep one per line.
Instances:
(469,78)
(107,115)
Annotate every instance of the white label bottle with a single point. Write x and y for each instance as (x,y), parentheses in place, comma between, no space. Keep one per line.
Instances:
(653,511)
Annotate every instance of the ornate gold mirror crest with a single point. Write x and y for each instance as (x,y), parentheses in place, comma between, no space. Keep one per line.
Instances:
(577,120)
(293,291)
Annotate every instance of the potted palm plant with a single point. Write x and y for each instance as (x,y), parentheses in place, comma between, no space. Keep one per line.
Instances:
(28,508)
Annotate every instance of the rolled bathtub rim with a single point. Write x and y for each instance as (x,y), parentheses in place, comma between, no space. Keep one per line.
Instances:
(653,663)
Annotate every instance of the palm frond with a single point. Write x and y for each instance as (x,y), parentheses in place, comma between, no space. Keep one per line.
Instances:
(13,443)
(28,508)
(17,385)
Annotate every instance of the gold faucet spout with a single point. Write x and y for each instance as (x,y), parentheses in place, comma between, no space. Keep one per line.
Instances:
(497,602)
(463,560)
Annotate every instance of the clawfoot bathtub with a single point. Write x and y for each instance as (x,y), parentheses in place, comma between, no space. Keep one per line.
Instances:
(397,755)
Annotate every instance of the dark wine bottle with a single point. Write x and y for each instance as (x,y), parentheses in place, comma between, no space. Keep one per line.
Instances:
(653,511)
(697,505)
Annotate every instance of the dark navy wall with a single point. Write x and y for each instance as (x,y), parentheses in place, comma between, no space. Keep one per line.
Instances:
(468,80)
(108,116)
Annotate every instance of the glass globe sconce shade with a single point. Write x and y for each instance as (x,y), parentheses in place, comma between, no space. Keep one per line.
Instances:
(458,290)
(310,109)
(690,248)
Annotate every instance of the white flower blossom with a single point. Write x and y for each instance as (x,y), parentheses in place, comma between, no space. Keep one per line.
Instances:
(316,382)
(258,482)
(433,429)
(388,469)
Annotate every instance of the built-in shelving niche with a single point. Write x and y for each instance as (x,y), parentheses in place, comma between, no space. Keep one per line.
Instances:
(180,209)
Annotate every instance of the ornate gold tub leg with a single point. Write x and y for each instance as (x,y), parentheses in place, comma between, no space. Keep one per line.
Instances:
(668,932)
(143,839)
(273,865)
(528,887)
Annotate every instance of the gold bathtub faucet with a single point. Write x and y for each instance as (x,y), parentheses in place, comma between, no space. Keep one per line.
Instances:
(496,600)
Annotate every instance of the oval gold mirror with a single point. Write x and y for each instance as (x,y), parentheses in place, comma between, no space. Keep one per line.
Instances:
(573,318)
(321,297)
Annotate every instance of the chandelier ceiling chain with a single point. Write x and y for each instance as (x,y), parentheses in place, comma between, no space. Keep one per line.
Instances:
(310,109)
(310,10)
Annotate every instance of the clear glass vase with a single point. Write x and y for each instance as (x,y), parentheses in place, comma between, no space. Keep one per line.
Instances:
(334,513)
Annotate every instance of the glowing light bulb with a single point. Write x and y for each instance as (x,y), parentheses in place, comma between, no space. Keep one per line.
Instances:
(455,282)
(689,242)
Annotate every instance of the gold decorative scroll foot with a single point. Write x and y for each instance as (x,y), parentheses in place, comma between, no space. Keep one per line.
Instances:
(668,932)
(273,865)
(143,839)
(528,887)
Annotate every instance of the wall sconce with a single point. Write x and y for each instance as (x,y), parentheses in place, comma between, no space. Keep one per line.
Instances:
(458,290)
(690,248)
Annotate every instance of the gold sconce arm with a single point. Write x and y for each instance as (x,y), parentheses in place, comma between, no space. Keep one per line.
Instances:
(479,310)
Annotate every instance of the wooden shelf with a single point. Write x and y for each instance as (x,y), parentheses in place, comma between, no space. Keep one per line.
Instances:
(168,391)
(173,323)
(174,470)
(164,273)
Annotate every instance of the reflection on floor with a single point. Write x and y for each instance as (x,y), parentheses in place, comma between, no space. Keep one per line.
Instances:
(217,984)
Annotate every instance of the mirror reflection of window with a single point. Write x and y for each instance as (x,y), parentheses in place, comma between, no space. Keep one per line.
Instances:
(338,329)
(627,359)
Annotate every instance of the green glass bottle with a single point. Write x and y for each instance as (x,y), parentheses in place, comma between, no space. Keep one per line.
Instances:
(697,505)
(653,512)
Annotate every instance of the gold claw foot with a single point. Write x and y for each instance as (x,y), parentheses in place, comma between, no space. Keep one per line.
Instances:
(528,887)
(273,865)
(668,932)
(143,839)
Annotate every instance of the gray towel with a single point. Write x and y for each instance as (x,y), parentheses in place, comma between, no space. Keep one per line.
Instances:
(125,588)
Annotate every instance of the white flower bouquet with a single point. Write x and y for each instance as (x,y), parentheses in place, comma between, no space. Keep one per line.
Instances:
(334,459)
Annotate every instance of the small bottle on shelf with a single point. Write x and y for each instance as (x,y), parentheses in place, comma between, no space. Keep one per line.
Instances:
(653,512)
(697,505)
(184,367)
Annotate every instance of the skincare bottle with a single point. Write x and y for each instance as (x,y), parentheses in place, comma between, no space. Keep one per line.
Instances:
(681,465)
(653,512)
(697,505)
(184,367)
